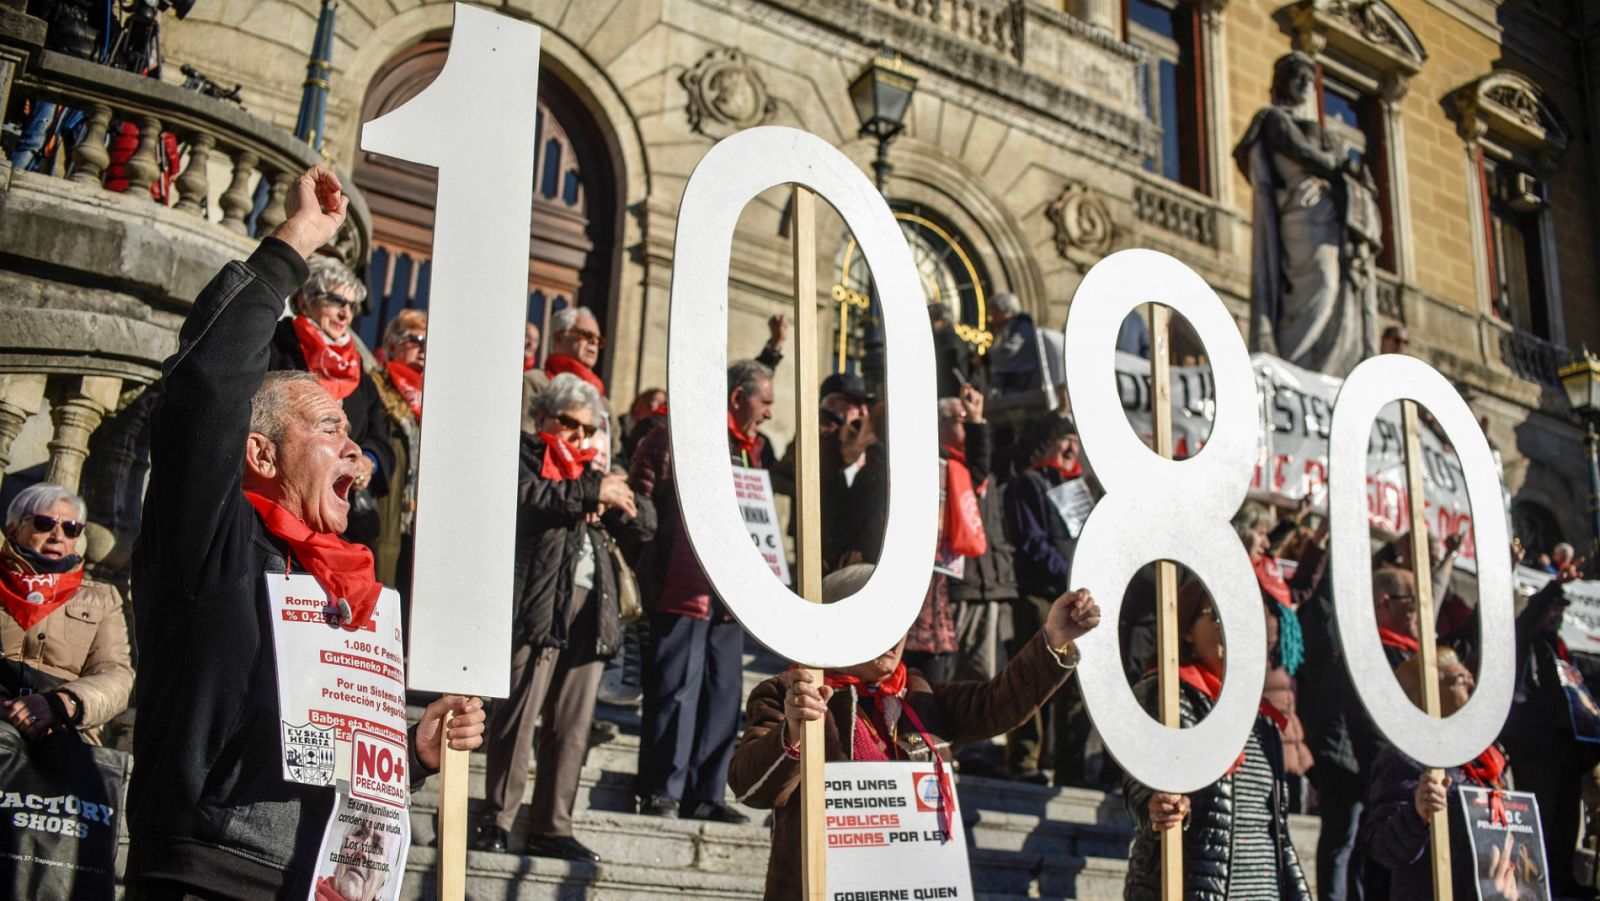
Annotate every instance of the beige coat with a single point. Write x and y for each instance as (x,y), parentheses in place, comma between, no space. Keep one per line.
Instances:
(84,641)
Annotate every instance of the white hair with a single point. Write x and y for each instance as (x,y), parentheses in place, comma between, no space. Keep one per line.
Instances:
(39,499)
(564,392)
(842,583)
(328,274)
(566,318)
(949,408)
(273,398)
(1007,303)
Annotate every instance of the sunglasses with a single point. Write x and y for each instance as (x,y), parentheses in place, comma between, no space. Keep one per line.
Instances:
(69,527)
(418,340)
(583,334)
(567,422)
(334,300)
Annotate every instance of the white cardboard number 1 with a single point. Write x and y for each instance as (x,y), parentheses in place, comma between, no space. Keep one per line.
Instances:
(467,474)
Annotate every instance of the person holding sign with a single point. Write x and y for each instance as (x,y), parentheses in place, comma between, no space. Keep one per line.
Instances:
(1236,842)
(890,712)
(211,812)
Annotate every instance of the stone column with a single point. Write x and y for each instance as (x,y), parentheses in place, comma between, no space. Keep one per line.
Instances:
(20,395)
(77,405)
(1105,14)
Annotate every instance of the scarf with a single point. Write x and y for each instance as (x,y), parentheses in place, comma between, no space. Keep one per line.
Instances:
(336,366)
(1291,644)
(1393,639)
(561,461)
(1202,680)
(344,570)
(749,445)
(408,382)
(527,363)
(888,697)
(560,363)
(29,594)
(1071,470)
(1486,770)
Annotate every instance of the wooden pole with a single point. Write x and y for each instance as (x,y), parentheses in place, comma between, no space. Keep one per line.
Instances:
(1422,569)
(808,535)
(1166,583)
(452,825)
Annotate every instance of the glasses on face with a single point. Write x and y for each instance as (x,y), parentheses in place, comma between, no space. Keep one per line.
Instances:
(1403,601)
(1210,613)
(69,527)
(334,300)
(583,334)
(1460,680)
(567,422)
(418,340)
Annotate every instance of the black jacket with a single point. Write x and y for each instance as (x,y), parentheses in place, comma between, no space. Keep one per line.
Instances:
(552,518)
(1043,559)
(1208,833)
(992,576)
(1539,718)
(1394,838)
(207,803)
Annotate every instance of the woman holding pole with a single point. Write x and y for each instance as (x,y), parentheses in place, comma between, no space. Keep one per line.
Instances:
(1236,831)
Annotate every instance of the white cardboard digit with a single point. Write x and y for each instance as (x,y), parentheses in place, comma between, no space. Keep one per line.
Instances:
(1158,509)
(467,474)
(867,623)
(1463,736)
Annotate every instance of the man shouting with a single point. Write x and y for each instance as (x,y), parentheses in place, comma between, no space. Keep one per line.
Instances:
(210,814)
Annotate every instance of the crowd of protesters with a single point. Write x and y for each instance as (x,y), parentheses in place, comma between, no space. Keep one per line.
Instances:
(328,467)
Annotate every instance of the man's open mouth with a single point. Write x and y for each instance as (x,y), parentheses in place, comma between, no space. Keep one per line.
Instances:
(342,486)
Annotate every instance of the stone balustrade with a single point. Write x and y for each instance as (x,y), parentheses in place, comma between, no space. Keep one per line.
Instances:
(1533,358)
(994,24)
(1169,211)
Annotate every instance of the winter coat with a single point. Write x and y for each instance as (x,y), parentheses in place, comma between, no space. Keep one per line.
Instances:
(552,520)
(763,776)
(1208,832)
(85,642)
(991,577)
(207,803)
(1396,839)
(1044,548)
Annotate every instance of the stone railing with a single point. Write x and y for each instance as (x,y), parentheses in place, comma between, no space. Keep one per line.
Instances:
(216,138)
(1170,211)
(994,24)
(1533,358)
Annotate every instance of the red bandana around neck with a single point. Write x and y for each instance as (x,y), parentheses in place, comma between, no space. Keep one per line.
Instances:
(527,363)
(561,460)
(30,597)
(1204,681)
(1071,470)
(749,444)
(1270,577)
(336,366)
(1487,768)
(344,570)
(892,686)
(1393,639)
(560,363)
(408,382)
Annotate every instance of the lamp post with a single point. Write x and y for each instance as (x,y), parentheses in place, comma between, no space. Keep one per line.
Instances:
(1581,380)
(881,95)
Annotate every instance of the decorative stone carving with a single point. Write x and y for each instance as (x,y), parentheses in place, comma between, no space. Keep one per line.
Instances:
(725,94)
(1367,33)
(1083,224)
(1185,218)
(1509,106)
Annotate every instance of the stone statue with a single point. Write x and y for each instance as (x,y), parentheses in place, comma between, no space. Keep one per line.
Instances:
(1317,230)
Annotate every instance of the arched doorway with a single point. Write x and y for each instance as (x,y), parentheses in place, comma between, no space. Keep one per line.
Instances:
(575,210)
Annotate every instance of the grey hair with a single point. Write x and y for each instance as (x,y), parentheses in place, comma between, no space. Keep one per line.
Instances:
(949,408)
(842,583)
(270,402)
(566,318)
(1253,515)
(1563,546)
(747,374)
(40,498)
(401,325)
(1007,303)
(327,274)
(564,392)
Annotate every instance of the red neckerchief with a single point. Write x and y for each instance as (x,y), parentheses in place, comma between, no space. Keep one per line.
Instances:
(527,363)
(960,456)
(1072,470)
(559,363)
(1561,649)
(344,570)
(1486,770)
(1393,639)
(337,367)
(29,596)
(749,444)
(1202,680)
(408,382)
(1271,580)
(561,461)
(895,686)
(658,411)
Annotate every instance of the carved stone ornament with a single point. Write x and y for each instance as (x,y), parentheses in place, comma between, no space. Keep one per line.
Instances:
(725,94)
(1512,110)
(1366,33)
(1083,223)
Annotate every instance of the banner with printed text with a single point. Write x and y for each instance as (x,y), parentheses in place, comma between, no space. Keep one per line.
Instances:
(894,832)
(758,506)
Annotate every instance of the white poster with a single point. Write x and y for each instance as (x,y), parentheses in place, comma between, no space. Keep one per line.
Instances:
(753,489)
(1507,846)
(894,832)
(1073,500)
(1296,414)
(341,701)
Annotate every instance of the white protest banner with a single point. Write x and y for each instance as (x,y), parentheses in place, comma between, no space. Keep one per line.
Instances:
(1296,409)
(1508,855)
(342,707)
(1073,500)
(753,490)
(894,832)
(1580,625)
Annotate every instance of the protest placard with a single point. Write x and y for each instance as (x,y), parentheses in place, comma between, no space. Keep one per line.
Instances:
(1073,500)
(752,488)
(894,832)
(1507,844)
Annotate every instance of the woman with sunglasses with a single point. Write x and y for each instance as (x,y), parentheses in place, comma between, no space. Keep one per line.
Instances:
(1236,830)
(64,639)
(318,339)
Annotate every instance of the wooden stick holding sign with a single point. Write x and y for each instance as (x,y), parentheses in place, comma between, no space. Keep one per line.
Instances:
(1427,627)
(1167,636)
(861,626)
(467,471)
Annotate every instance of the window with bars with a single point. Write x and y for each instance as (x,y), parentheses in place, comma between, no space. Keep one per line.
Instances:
(1174,92)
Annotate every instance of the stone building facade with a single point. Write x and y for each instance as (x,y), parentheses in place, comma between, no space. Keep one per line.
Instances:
(1043,135)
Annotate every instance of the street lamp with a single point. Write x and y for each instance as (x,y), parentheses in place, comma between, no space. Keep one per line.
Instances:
(881,95)
(1581,380)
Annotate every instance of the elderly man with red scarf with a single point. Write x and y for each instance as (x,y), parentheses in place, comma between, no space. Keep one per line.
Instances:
(884,710)
(251,474)
(693,669)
